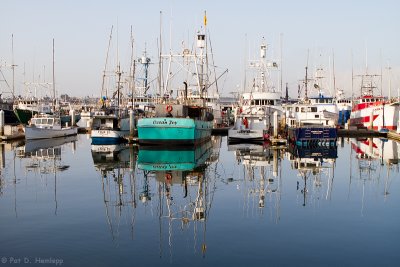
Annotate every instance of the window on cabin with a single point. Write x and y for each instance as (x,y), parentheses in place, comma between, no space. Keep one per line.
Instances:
(297,109)
(302,109)
(313,109)
(316,116)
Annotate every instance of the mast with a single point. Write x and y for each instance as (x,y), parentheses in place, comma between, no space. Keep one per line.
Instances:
(105,65)
(281,56)
(132,71)
(160,60)
(13,66)
(333,70)
(54,81)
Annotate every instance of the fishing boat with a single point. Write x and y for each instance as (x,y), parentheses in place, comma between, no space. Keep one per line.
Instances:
(26,108)
(318,110)
(47,126)
(111,124)
(371,110)
(260,109)
(184,121)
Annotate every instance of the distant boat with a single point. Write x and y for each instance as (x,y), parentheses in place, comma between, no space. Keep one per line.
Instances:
(26,108)
(9,115)
(344,106)
(47,126)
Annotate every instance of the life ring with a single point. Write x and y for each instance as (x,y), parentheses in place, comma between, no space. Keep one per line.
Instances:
(169,108)
(168,177)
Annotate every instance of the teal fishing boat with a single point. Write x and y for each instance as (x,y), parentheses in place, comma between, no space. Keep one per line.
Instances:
(182,125)
(183,120)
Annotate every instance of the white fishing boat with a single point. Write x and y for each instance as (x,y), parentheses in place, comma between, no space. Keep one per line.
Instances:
(260,109)
(109,128)
(111,124)
(318,110)
(47,126)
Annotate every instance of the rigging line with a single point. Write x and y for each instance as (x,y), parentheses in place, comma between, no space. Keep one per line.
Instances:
(212,58)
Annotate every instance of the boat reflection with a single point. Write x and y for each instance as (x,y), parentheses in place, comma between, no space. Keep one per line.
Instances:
(261,180)
(185,189)
(373,156)
(116,165)
(314,165)
(43,158)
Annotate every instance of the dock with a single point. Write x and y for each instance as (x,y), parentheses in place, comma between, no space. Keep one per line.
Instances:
(12,132)
(360,133)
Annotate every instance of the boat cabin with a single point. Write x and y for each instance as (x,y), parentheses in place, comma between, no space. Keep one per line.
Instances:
(45,122)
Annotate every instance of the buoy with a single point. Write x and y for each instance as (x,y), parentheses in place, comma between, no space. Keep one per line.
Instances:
(169,108)
(168,177)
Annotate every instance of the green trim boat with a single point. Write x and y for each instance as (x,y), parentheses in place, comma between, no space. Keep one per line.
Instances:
(185,125)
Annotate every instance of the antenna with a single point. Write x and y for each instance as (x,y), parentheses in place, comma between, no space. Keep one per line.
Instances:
(306,80)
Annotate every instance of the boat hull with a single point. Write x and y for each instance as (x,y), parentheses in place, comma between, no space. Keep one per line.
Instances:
(383,116)
(173,131)
(246,135)
(313,136)
(24,115)
(32,132)
(108,137)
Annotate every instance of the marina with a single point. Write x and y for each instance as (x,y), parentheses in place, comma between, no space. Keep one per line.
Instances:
(165,206)
(212,133)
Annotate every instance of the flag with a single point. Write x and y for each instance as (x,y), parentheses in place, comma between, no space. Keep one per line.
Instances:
(205,19)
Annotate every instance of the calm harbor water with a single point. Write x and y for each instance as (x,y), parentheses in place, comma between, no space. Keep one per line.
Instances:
(68,203)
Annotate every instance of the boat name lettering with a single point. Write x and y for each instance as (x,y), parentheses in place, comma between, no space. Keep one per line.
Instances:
(316,132)
(162,166)
(164,122)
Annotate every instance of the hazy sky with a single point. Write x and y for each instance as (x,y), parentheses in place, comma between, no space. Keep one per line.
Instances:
(319,29)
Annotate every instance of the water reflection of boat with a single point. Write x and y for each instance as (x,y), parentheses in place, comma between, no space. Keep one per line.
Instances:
(313,165)
(373,155)
(35,144)
(185,188)
(116,164)
(261,177)
(43,157)
(179,158)
(376,148)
